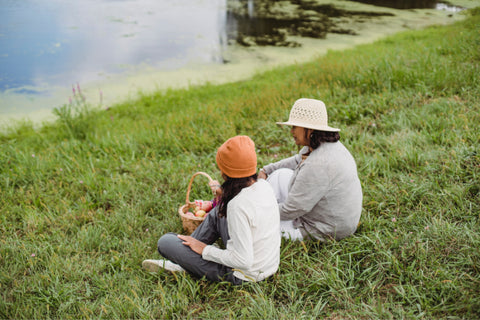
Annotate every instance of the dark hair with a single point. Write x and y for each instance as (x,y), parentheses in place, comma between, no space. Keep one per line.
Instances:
(230,188)
(318,137)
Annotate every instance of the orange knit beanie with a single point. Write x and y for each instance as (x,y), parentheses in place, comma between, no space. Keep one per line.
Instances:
(237,157)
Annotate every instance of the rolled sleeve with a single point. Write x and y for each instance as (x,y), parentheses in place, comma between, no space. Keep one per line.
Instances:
(290,163)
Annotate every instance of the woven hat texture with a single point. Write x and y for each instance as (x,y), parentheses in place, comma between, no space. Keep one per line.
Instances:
(237,157)
(310,114)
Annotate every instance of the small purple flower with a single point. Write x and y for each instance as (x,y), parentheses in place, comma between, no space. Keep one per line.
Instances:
(146,230)
(394,219)
(427,227)
(61,169)
(81,181)
(73,90)
(33,155)
(394,230)
(33,255)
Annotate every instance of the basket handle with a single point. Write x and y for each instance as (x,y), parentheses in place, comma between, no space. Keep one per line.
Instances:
(187,200)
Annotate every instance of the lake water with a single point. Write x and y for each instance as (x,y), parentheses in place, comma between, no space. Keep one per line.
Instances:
(52,42)
(115,48)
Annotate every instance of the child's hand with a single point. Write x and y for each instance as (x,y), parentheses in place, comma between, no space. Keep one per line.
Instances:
(216,188)
(193,243)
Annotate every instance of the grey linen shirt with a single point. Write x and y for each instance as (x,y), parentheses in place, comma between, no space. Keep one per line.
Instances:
(325,195)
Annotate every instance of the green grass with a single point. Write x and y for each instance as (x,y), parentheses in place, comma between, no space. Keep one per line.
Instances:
(84,200)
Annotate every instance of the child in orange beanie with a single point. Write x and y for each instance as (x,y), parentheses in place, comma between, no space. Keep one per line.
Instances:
(246,219)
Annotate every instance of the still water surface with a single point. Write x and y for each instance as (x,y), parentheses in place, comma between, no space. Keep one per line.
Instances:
(53,42)
(48,46)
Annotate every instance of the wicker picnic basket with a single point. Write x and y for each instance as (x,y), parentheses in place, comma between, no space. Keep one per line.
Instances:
(189,222)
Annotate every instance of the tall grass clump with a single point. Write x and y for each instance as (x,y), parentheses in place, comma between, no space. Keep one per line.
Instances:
(84,200)
(76,119)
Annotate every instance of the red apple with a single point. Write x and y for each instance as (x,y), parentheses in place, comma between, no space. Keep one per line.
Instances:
(207,206)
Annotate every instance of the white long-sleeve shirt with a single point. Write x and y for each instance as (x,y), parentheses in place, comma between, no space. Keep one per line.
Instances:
(253,219)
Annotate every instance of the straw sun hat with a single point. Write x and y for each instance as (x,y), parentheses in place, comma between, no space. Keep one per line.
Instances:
(310,114)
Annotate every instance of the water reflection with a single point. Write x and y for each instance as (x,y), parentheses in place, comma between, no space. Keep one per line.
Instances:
(52,42)
(412,4)
(266,22)
(402,4)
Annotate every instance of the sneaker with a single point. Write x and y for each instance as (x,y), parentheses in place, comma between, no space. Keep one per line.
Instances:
(156,265)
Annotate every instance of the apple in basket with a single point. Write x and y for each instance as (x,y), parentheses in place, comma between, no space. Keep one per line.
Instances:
(207,206)
(200,213)
(203,205)
(189,213)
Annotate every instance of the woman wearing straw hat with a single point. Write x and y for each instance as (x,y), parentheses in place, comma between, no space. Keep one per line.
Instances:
(318,190)
(247,220)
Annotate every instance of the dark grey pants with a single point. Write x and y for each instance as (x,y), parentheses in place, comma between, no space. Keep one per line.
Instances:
(209,231)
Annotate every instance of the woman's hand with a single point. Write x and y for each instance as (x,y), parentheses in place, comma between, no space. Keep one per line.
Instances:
(216,188)
(262,174)
(194,244)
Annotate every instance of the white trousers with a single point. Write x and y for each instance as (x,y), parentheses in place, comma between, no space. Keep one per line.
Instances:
(280,180)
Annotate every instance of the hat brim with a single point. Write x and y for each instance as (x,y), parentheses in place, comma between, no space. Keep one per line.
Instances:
(309,126)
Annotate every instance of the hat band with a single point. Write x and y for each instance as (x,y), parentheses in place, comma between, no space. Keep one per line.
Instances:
(314,126)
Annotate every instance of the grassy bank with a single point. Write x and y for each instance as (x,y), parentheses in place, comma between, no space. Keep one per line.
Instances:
(83,201)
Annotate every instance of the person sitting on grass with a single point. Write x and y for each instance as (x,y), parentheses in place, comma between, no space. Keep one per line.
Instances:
(246,219)
(318,190)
